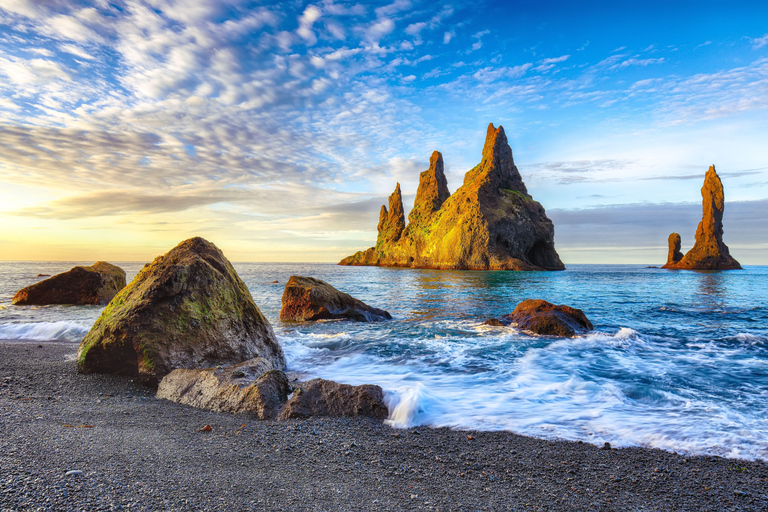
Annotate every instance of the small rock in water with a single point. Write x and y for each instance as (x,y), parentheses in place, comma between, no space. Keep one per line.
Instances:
(73,472)
(606,446)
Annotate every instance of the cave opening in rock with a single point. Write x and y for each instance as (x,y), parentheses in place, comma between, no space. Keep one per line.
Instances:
(539,255)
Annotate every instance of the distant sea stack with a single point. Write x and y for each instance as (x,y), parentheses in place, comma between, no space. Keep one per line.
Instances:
(489,223)
(709,252)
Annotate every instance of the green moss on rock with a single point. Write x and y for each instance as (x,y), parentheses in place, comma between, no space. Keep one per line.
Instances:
(186,309)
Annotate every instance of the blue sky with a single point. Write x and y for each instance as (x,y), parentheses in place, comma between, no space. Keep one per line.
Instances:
(277,130)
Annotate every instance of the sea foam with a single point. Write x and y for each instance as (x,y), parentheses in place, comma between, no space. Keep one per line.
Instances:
(44,331)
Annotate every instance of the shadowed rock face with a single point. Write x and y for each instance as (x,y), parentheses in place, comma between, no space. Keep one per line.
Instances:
(96,284)
(489,223)
(709,252)
(186,309)
(309,299)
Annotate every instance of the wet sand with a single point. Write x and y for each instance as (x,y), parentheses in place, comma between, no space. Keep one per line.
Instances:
(130,451)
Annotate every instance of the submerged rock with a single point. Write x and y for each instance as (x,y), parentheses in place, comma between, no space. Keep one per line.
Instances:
(489,223)
(319,397)
(309,299)
(96,284)
(186,309)
(252,386)
(542,317)
(709,252)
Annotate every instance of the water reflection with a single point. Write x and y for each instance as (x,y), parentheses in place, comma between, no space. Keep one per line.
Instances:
(711,289)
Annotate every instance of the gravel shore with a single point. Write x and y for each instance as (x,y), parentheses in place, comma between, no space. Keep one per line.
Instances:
(102,442)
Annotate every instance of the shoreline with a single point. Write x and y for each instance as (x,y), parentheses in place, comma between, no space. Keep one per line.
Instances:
(138,452)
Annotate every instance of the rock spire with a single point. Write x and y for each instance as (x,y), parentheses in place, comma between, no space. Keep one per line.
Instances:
(392,221)
(709,252)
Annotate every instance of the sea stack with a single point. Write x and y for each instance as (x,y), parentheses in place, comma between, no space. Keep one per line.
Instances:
(709,252)
(489,223)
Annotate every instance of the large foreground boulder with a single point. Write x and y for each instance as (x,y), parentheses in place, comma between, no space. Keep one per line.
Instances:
(709,252)
(542,317)
(186,309)
(252,386)
(319,397)
(489,223)
(310,299)
(96,284)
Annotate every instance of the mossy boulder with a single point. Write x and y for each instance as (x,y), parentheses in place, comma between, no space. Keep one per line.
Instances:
(96,284)
(307,299)
(186,309)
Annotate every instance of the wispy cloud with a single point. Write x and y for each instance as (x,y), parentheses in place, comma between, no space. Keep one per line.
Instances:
(759,42)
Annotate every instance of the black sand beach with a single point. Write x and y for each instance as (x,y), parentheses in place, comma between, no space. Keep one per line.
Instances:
(130,451)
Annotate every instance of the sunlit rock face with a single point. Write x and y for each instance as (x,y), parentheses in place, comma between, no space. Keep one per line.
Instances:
(709,252)
(489,223)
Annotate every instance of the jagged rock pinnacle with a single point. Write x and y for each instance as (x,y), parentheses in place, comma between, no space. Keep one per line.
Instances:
(489,223)
(392,222)
(709,252)
(497,169)
(432,191)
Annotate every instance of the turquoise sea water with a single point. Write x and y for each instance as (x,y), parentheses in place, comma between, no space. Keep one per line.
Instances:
(678,360)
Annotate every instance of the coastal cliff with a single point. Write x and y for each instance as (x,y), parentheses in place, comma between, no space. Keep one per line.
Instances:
(709,252)
(489,223)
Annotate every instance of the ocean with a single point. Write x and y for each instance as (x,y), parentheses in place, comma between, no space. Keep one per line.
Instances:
(678,360)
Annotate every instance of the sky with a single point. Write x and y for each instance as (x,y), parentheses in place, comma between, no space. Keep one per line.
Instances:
(277,130)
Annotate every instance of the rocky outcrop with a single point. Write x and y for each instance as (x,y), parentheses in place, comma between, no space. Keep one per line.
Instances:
(674,254)
(319,397)
(542,317)
(186,309)
(249,387)
(489,223)
(709,252)
(96,284)
(309,299)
